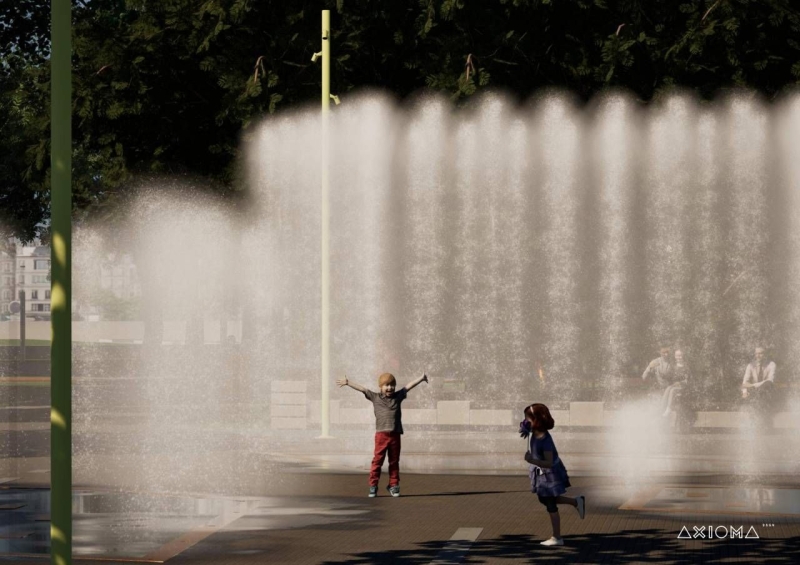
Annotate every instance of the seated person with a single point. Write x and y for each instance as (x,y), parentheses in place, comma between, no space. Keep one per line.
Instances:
(660,368)
(680,379)
(758,384)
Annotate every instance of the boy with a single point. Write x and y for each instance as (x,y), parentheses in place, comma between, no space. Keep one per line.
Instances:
(388,427)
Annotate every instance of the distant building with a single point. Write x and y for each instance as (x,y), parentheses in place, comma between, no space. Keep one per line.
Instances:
(26,268)
(32,277)
(118,275)
(7,276)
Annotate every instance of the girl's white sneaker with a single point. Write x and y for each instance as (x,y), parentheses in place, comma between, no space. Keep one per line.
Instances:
(553,541)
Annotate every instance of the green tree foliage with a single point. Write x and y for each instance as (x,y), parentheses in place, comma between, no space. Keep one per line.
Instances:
(22,196)
(24,29)
(24,40)
(171,86)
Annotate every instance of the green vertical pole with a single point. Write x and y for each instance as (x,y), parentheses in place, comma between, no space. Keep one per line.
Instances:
(326,262)
(61,281)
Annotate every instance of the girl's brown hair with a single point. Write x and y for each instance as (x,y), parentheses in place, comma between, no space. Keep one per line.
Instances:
(539,417)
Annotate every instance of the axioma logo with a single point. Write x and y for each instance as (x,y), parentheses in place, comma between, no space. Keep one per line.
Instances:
(718,532)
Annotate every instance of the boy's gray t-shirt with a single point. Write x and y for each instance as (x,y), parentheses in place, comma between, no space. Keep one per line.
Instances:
(387,410)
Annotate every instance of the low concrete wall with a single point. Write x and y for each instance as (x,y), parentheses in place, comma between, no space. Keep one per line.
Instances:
(720,420)
(586,413)
(33,330)
(126,332)
(288,405)
(419,416)
(561,417)
(452,412)
(787,420)
(490,418)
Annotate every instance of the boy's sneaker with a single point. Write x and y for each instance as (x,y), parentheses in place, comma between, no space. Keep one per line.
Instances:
(553,541)
(394,490)
(581,506)
(373,492)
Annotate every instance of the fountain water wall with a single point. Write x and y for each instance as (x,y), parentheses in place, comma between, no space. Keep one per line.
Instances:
(489,244)
(515,253)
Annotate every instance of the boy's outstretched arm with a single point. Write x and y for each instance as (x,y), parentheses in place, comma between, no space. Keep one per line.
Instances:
(415,382)
(346,382)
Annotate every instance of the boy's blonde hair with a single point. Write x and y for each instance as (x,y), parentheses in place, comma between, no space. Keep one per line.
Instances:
(386,378)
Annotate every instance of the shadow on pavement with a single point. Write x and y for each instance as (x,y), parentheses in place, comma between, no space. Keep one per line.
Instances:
(464,493)
(634,546)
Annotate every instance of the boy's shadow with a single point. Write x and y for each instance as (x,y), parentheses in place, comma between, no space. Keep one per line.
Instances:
(464,493)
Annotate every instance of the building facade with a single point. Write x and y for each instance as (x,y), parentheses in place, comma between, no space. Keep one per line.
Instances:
(7,278)
(26,269)
(32,277)
(118,275)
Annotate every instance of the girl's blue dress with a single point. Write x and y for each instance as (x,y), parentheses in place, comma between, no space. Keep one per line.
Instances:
(547,482)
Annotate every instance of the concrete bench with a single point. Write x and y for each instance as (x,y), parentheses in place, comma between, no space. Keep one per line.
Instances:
(741,419)
(719,419)
(452,412)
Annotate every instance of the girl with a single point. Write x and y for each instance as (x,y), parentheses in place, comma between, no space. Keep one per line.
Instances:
(549,479)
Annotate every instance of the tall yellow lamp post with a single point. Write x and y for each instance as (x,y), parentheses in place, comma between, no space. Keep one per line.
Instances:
(325,54)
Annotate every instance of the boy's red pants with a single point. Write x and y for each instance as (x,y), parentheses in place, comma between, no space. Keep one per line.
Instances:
(386,441)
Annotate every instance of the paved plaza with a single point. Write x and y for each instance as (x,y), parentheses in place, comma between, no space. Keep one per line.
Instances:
(302,500)
(322,517)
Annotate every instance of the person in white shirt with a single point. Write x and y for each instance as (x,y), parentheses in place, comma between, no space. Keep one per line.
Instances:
(660,369)
(759,382)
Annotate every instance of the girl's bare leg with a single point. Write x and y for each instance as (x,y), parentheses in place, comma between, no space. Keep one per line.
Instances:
(567,500)
(555,521)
